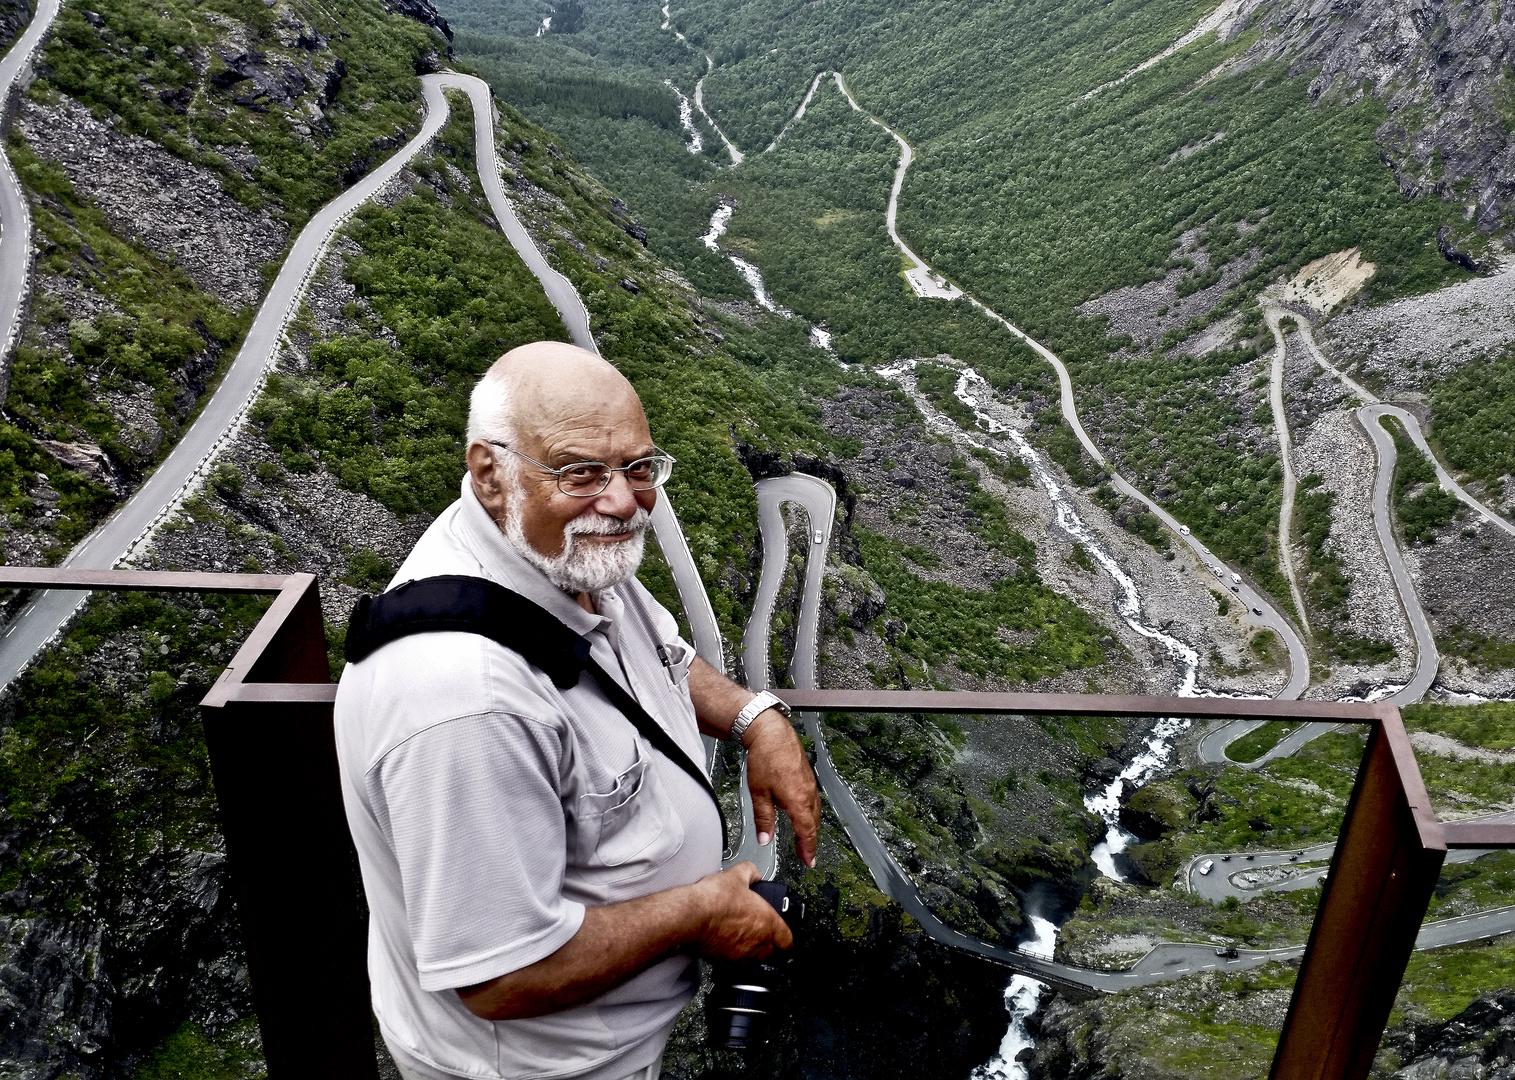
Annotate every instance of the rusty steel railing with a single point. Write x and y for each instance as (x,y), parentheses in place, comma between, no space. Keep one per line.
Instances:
(268,726)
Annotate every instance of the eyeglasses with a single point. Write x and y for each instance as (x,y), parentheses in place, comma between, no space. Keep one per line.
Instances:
(585,479)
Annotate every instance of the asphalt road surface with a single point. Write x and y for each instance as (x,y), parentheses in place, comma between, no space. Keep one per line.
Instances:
(15,215)
(1285,457)
(818,499)
(1218,884)
(218,421)
(1427,659)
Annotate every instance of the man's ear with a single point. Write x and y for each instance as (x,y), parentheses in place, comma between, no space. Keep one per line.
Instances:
(486,479)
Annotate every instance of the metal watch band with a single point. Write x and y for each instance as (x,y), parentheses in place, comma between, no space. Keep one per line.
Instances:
(750,712)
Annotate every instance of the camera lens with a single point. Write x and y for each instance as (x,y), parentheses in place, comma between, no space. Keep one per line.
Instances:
(743,997)
(739,1006)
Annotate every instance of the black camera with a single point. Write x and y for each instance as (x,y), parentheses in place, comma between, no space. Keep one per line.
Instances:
(739,1005)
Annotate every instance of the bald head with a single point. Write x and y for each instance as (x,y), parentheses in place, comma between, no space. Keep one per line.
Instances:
(545,383)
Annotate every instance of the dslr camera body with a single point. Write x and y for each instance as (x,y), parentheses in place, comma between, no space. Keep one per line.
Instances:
(740,1004)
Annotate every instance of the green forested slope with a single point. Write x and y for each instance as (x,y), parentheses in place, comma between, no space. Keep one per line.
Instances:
(1024,192)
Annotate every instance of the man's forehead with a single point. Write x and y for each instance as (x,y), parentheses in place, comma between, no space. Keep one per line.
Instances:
(591,436)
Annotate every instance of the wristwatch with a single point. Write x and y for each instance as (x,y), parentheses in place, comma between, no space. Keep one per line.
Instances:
(750,711)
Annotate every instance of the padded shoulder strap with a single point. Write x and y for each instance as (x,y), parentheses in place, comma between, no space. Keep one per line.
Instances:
(469,605)
(473,605)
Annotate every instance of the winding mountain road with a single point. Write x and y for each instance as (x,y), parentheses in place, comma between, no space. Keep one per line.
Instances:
(1212,747)
(1219,884)
(1286,456)
(222,415)
(15,214)
(1253,601)
(1165,961)
(1427,658)
(818,499)
(184,468)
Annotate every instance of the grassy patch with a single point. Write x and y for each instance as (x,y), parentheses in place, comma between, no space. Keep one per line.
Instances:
(192,1053)
(1259,741)
(1421,506)
(1471,412)
(1441,983)
(946,623)
(1490,725)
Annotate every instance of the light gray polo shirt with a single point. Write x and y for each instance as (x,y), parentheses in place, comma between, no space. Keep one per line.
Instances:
(489,808)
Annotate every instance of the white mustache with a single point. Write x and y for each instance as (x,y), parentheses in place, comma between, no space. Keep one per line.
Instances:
(591,524)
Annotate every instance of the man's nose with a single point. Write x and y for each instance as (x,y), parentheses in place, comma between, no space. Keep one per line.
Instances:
(618,499)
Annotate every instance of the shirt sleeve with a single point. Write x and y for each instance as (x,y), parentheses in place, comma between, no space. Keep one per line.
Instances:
(476,823)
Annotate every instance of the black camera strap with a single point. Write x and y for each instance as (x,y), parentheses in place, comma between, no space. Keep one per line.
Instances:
(472,605)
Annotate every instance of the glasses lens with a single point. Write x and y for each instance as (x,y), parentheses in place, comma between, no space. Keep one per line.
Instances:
(586,478)
(649,472)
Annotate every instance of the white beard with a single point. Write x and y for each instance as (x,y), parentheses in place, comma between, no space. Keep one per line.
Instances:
(583,568)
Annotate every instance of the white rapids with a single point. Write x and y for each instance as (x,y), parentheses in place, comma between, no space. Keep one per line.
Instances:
(686,118)
(974,392)
(1022,998)
(718,223)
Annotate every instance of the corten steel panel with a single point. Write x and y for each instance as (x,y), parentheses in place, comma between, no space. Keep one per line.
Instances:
(36,577)
(294,873)
(962,701)
(292,862)
(1387,860)
(293,868)
(1478,834)
(273,754)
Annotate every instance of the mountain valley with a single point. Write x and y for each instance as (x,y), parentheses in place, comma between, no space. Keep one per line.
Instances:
(1098,320)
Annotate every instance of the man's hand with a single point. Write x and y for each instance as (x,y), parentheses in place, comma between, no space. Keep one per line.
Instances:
(742,925)
(777,770)
(719,917)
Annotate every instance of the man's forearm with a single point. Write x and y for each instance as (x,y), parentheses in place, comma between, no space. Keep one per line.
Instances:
(716,699)
(716,916)
(614,943)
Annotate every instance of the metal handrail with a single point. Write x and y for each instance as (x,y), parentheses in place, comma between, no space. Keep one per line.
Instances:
(268,723)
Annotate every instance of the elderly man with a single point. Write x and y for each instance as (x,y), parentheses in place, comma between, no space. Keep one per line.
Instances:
(540,877)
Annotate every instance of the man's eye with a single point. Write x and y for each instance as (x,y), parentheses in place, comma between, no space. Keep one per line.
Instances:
(581,473)
(639,470)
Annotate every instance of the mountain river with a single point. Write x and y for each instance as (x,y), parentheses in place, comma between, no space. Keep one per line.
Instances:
(1023,994)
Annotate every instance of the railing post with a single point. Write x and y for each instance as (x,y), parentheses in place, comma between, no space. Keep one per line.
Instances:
(1387,860)
(293,868)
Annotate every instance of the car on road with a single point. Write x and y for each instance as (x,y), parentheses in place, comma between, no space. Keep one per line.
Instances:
(1225,858)
(820,538)
(1236,578)
(1218,572)
(1236,589)
(1206,866)
(1228,952)
(1184,529)
(1257,611)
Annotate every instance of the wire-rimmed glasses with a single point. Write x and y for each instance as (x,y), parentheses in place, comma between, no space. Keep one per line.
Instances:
(585,479)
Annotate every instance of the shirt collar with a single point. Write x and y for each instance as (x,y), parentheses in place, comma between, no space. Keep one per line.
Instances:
(504,565)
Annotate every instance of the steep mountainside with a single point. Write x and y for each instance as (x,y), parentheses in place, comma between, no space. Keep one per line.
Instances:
(1445,74)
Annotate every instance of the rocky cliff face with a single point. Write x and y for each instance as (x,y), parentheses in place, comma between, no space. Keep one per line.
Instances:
(1443,70)
(1477,1044)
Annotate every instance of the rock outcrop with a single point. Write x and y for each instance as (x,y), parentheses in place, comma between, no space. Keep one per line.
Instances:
(1440,69)
(1478,1042)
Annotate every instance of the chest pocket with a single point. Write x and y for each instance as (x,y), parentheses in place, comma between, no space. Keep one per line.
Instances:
(632,828)
(677,656)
